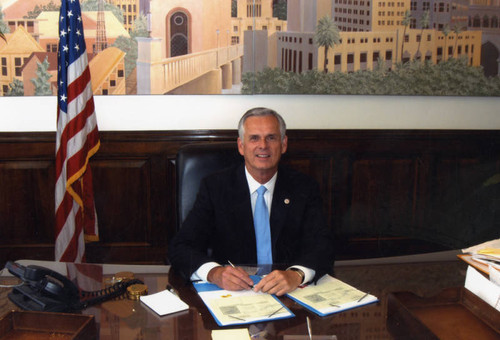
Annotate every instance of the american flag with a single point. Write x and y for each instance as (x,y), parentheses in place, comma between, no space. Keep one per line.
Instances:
(77,140)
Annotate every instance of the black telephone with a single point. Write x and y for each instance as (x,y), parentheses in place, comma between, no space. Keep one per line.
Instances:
(49,291)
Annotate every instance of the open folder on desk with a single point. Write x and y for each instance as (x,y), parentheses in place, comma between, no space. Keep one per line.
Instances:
(483,255)
(330,295)
(240,307)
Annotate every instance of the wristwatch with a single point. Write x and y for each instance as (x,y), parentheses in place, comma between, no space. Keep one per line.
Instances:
(299,272)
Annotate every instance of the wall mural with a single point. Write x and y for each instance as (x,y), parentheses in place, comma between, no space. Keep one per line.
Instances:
(387,47)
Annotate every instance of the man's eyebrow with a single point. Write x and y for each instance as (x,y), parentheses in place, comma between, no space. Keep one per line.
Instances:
(265,136)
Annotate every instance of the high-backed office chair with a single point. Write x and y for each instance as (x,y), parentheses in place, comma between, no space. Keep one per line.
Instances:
(193,163)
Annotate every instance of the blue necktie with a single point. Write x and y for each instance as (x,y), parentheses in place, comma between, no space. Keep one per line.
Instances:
(262,229)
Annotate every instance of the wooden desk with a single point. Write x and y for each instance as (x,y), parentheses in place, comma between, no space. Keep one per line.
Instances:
(127,319)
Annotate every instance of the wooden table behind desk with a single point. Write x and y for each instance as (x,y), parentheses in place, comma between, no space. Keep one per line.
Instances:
(127,319)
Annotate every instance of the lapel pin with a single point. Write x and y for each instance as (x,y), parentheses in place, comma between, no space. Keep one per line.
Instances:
(287,201)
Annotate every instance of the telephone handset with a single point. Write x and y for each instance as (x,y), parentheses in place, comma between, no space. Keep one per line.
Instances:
(47,290)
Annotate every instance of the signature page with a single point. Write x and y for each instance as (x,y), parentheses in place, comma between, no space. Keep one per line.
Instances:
(240,307)
(330,295)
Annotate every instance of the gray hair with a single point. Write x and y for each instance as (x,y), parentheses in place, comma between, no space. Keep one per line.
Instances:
(261,112)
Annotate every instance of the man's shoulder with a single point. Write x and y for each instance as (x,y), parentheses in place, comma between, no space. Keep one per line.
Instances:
(225,174)
(289,173)
(294,178)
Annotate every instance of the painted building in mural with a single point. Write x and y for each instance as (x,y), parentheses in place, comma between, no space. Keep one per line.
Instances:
(255,16)
(202,47)
(370,31)
(194,26)
(484,16)
(14,53)
(48,29)
(207,37)
(190,26)
(254,22)
(107,71)
(190,50)
(131,9)
(32,41)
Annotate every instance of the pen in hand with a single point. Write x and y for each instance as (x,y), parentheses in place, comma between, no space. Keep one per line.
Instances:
(232,265)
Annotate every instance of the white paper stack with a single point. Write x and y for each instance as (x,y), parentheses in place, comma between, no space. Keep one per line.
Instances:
(487,290)
(164,302)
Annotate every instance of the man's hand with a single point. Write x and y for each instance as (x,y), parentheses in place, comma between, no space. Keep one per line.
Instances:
(230,278)
(279,282)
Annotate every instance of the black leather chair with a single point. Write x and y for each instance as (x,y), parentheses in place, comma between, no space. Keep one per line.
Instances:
(196,161)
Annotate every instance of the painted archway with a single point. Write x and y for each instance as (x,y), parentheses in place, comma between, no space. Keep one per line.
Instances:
(178,24)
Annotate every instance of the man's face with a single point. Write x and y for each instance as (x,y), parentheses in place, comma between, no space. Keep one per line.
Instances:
(262,146)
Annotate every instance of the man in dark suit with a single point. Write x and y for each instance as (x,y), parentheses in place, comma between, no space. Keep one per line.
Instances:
(222,218)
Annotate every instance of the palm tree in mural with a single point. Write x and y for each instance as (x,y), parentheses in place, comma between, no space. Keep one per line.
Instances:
(457,29)
(406,22)
(424,23)
(446,32)
(326,35)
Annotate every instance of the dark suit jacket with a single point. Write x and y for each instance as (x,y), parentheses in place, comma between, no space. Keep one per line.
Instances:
(221,220)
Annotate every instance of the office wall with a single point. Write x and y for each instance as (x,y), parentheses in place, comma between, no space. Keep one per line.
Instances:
(126,113)
(385,192)
(393,170)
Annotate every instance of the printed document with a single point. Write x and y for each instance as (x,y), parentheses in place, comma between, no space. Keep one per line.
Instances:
(330,295)
(240,307)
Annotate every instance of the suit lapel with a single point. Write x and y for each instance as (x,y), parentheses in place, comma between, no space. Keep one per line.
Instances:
(241,208)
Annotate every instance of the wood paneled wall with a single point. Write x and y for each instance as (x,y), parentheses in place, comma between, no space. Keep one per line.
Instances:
(386,192)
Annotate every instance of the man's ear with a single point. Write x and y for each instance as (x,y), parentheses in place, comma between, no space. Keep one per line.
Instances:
(240,146)
(284,145)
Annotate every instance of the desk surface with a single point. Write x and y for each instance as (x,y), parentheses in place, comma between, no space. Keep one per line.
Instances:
(127,319)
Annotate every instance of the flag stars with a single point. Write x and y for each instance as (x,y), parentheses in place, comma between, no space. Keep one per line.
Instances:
(77,47)
(65,48)
(63,33)
(63,98)
(70,14)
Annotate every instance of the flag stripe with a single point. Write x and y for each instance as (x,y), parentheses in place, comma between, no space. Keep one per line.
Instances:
(70,134)
(73,236)
(77,87)
(73,149)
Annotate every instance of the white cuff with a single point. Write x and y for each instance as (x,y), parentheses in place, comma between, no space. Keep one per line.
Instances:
(202,272)
(308,273)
